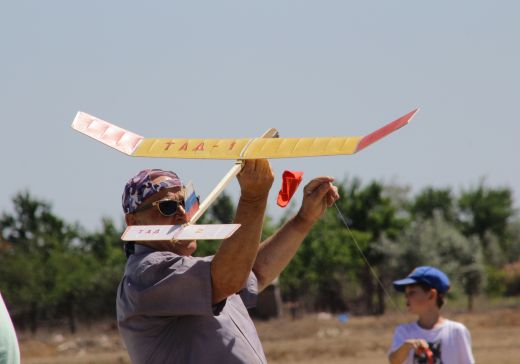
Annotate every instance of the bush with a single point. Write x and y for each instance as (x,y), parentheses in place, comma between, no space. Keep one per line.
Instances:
(512,279)
(496,282)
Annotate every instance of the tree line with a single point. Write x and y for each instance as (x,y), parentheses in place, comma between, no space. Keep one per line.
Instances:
(53,271)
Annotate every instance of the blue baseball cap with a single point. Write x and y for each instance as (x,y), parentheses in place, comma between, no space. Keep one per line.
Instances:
(430,276)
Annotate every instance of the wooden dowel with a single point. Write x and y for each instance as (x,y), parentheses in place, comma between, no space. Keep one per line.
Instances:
(271,133)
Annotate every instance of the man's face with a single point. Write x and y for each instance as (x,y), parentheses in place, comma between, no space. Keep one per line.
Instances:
(152,216)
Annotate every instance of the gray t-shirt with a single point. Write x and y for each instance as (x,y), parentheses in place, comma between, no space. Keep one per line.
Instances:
(165,314)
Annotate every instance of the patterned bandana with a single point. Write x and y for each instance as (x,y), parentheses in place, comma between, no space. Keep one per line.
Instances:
(141,186)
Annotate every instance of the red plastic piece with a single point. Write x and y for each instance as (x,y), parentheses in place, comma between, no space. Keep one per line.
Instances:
(290,182)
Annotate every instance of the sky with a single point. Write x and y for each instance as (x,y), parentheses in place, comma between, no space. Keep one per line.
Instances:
(230,69)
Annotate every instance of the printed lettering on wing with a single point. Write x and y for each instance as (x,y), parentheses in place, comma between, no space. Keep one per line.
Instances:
(168,145)
(149,231)
(198,148)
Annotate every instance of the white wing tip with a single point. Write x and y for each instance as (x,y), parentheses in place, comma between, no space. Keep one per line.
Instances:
(107,133)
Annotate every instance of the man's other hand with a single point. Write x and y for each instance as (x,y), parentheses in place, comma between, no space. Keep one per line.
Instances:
(255,179)
(318,194)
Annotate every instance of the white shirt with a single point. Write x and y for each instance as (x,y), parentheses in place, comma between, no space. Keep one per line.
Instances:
(450,342)
(9,350)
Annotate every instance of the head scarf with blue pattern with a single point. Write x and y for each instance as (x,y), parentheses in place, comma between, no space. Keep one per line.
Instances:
(141,186)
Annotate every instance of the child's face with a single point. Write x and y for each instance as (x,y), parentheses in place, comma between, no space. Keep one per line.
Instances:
(418,300)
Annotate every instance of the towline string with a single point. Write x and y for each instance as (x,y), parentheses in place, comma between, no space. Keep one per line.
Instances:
(342,218)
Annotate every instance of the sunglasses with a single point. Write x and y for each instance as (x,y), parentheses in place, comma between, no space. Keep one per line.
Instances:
(165,206)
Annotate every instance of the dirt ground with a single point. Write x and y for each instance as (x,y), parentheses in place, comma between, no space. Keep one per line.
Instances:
(313,339)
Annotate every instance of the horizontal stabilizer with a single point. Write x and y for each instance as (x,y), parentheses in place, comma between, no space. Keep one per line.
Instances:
(179,232)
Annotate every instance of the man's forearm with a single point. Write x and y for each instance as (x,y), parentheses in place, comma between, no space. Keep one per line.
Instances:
(275,252)
(233,261)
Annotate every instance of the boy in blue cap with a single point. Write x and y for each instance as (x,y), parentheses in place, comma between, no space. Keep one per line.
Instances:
(432,339)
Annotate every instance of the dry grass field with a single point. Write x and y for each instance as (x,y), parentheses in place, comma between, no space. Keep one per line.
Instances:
(312,339)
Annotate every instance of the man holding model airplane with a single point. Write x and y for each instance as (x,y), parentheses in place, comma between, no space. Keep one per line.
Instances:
(175,308)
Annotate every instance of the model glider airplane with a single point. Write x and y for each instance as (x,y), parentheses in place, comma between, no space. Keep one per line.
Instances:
(268,146)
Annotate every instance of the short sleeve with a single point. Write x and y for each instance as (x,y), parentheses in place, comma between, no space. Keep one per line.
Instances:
(165,284)
(464,346)
(397,340)
(249,294)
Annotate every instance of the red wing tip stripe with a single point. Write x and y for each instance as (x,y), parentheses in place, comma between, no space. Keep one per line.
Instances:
(385,130)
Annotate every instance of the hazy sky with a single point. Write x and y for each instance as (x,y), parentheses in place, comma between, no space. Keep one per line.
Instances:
(236,68)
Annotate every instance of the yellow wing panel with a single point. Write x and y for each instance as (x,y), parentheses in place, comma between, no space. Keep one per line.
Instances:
(243,148)
(191,148)
(301,147)
(254,148)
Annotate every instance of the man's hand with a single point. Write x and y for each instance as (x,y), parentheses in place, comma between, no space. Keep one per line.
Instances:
(318,194)
(255,180)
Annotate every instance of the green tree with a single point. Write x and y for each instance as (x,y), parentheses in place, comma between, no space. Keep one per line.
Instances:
(323,273)
(104,257)
(512,243)
(223,210)
(34,234)
(430,200)
(328,271)
(71,271)
(371,210)
(50,266)
(486,209)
